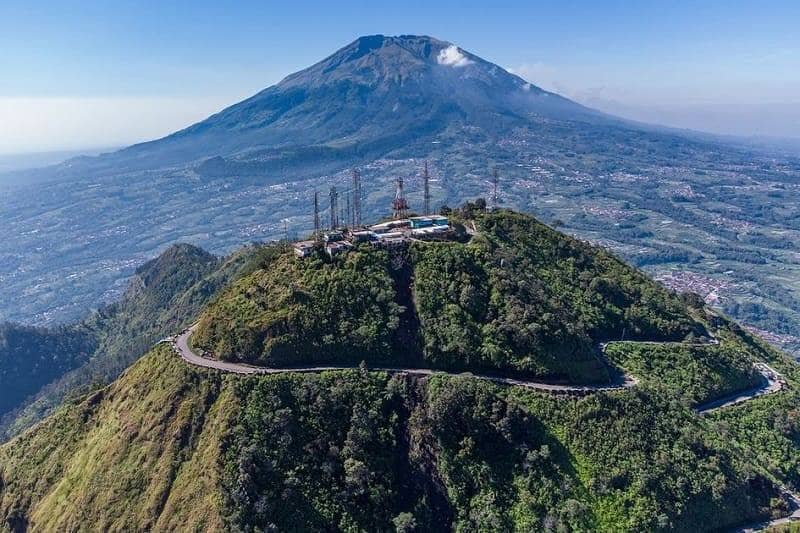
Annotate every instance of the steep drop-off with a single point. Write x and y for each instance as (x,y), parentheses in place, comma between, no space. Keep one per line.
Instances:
(171,446)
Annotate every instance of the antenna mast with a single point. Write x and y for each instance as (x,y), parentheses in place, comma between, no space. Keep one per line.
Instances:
(316,215)
(356,198)
(495,181)
(334,207)
(348,219)
(399,204)
(427,206)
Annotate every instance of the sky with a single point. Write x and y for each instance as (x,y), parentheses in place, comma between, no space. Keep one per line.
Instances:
(85,74)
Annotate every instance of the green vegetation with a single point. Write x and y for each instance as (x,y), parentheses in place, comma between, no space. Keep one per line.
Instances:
(170,446)
(32,357)
(297,311)
(522,297)
(767,428)
(139,455)
(165,295)
(697,373)
(519,298)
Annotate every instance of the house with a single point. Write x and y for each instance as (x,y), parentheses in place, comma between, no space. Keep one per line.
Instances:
(337,247)
(303,248)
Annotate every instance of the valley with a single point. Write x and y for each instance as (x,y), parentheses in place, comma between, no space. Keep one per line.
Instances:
(402,288)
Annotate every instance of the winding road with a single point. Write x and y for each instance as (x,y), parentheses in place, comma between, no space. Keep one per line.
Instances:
(773,381)
(180,344)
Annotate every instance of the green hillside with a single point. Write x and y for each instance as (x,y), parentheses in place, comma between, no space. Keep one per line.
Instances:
(39,368)
(172,446)
(519,298)
(169,446)
(32,357)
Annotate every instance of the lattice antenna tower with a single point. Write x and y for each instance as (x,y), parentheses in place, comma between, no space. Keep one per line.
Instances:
(334,197)
(316,215)
(399,204)
(356,197)
(427,197)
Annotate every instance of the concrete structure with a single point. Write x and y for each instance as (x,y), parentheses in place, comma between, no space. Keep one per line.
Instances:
(428,221)
(360,236)
(303,248)
(334,236)
(390,235)
(337,247)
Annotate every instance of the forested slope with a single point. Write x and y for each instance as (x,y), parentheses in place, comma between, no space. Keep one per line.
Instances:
(43,367)
(169,446)
(519,298)
(32,357)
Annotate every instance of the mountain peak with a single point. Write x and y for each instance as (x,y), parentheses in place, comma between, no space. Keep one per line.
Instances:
(376,91)
(371,58)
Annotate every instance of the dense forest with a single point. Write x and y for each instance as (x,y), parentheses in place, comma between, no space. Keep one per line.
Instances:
(294,311)
(32,357)
(519,298)
(42,367)
(170,446)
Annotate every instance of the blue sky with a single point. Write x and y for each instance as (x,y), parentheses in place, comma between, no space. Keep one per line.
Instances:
(80,74)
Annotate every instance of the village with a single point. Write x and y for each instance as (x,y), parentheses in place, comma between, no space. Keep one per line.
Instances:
(346,230)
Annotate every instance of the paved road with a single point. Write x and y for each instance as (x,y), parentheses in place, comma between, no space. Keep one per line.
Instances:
(773,380)
(180,344)
(793,500)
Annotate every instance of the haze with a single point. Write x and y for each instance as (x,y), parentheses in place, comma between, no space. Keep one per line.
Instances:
(117,73)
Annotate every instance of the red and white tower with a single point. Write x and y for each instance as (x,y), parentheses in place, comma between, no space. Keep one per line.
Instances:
(399,204)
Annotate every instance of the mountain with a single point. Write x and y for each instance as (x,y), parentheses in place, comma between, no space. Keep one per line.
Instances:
(30,358)
(40,367)
(479,307)
(698,212)
(173,446)
(375,94)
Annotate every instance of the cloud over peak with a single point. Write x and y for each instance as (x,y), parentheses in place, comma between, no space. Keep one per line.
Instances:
(453,57)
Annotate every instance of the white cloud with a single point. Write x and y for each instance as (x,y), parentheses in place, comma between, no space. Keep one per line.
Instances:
(453,57)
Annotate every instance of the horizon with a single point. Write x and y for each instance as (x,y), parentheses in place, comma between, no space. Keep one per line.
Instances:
(117,75)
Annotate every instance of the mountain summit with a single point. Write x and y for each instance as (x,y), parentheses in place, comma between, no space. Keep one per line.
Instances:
(374,95)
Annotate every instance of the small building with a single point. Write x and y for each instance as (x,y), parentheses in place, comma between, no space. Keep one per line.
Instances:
(420,222)
(303,248)
(391,225)
(362,236)
(334,236)
(428,221)
(337,247)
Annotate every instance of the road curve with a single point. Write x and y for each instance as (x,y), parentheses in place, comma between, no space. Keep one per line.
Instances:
(180,344)
(773,381)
